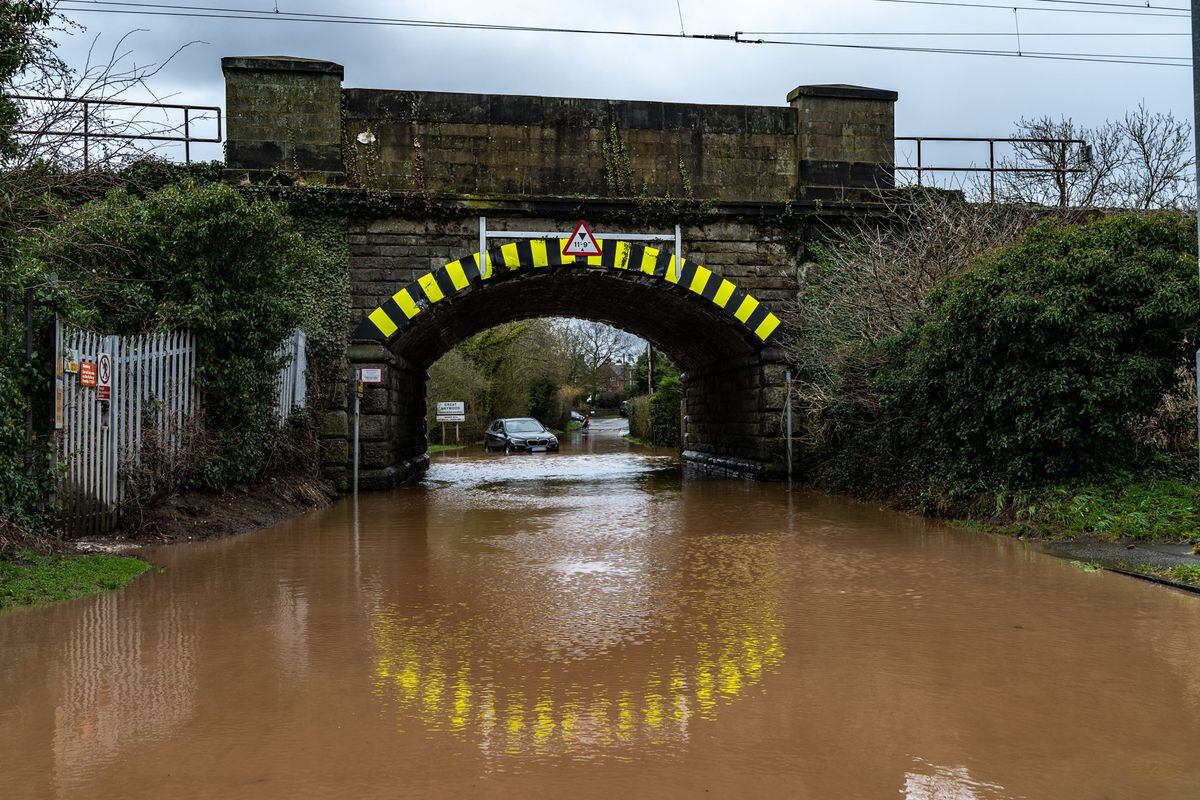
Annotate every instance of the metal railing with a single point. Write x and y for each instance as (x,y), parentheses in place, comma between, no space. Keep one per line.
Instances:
(1060,169)
(180,133)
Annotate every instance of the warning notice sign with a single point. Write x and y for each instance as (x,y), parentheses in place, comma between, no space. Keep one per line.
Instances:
(104,377)
(582,242)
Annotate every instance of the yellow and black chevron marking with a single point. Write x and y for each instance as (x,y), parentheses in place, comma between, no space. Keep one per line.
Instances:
(410,302)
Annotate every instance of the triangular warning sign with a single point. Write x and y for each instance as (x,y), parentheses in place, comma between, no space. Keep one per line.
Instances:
(582,242)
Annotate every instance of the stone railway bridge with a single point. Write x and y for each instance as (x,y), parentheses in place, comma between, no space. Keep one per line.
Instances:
(743,182)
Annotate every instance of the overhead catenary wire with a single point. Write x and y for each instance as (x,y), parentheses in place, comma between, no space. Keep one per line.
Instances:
(1150,6)
(964,34)
(215,12)
(1164,61)
(1044,9)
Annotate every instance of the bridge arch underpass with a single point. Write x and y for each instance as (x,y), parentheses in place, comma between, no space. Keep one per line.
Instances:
(722,337)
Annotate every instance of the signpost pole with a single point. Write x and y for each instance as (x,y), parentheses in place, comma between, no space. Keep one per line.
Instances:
(483,245)
(789,425)
(358,393)
(678,253)
(1196,127)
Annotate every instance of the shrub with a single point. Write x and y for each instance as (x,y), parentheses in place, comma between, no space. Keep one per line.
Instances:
(234,271)
(665,410)
(639,418)
(1038,364)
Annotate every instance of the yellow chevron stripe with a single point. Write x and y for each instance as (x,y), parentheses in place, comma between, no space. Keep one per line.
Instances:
(383,322)
(621,260)
(410,304)
(432,291)
(406,303)
(669,276)
(768,326)
(746,309)
(459,278)
(512,259)
(649,257)
(723,294)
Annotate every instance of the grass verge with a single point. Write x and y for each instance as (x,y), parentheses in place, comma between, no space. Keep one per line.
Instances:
(1145,510)
(1184,573)
(28,578)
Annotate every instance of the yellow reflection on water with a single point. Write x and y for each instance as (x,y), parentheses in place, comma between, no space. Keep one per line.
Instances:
(441,673)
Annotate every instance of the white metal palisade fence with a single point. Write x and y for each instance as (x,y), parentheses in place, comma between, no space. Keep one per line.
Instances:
(291,386)
(153,387)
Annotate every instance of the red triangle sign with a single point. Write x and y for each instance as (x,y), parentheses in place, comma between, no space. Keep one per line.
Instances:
(582,242)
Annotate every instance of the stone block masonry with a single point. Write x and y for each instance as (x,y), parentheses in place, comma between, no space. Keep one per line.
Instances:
(289,118)
(738,178)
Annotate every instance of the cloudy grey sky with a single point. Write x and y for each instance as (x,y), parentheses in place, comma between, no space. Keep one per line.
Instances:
(939,94)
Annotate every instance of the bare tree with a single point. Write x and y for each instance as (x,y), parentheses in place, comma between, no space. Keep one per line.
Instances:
(1159,161)
(1059,174)
(46,153)
(1142,161)
(869,281)
(592,348)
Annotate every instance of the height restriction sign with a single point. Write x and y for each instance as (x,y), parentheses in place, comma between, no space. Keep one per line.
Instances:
(582,242)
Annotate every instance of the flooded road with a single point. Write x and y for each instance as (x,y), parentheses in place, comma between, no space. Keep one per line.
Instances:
(591,625)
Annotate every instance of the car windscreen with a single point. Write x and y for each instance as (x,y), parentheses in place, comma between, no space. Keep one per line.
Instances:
(524,426)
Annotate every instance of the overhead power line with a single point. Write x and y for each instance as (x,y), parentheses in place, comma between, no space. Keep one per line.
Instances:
(1043,9)
(1114,5)
(214,12)
(1145,60)
(964,34)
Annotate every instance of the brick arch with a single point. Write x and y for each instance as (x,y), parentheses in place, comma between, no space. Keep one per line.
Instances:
(723,338)
(651,269)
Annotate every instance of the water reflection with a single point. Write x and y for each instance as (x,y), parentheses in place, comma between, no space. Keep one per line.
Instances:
(124,679)
(638,631)
(589,625)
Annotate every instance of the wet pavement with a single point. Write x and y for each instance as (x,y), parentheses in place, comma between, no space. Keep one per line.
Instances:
(589,624)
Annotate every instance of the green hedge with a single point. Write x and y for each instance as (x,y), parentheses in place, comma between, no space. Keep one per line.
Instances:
(235,271)
(1033,368)
(665,411)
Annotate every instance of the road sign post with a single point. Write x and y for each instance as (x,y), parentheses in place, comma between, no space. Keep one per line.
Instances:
(358,393)
(454,411)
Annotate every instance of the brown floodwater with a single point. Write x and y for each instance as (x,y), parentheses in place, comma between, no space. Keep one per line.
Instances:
(591,624)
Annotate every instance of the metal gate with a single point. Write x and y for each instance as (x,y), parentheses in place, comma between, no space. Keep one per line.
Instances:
(108,390)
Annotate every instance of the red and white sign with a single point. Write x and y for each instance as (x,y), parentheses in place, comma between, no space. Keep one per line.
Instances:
(582,242)
(104,377)
(87,373)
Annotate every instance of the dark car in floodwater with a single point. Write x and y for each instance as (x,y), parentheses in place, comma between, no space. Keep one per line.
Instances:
(520,435)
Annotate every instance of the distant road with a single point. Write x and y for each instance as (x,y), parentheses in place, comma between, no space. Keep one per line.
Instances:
(616,425)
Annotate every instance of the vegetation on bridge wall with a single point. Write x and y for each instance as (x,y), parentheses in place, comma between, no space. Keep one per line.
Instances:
(163,252)
(1043,364)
